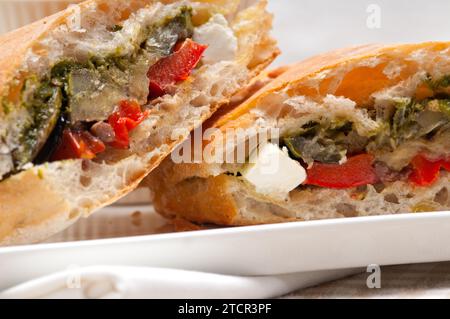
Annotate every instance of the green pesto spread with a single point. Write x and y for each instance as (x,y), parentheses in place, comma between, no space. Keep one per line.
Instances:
(331,142)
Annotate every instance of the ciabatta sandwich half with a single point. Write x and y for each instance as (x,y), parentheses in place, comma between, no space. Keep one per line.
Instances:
(355,132)
(94,97)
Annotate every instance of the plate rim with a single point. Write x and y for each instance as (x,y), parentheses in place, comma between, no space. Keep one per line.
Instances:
(347,221)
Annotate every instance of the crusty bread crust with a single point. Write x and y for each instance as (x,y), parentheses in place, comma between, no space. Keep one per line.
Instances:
(203,193)
(228,201)
(42,200)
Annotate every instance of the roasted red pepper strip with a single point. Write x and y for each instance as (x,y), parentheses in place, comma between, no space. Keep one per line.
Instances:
(446,165)
(357,171)
(132,111)
(75,144)
(125,120)
(174,68)
(426,172)
(121,131)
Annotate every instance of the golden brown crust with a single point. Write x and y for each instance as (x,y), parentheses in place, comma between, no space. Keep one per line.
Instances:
(191,196)
(42,202)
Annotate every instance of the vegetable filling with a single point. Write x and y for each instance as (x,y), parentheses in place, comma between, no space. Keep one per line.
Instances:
(83,108)
(408,143)
(336,156)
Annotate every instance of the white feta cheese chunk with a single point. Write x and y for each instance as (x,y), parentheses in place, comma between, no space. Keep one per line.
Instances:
(273,172)
(220,38)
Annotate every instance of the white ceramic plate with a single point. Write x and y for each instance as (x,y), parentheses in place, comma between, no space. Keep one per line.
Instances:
(256,250)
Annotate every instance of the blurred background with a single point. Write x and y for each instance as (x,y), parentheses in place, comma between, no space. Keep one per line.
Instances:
(307,27)
(16,13)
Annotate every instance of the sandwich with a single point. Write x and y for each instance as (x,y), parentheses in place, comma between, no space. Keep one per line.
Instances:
(94,97)
(356,132)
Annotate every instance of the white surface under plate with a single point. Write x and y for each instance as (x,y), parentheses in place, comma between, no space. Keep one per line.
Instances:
(255,250)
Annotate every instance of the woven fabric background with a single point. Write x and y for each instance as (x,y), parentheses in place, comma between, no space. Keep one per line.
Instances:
(397,282)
